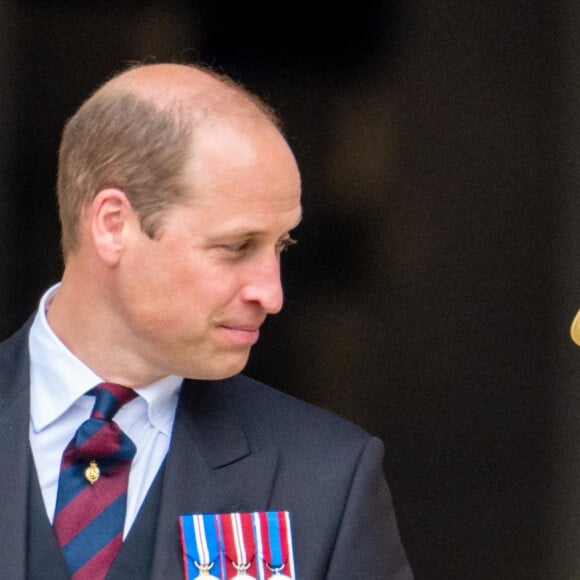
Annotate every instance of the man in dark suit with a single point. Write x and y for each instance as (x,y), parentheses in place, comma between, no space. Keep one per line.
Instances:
(177,195)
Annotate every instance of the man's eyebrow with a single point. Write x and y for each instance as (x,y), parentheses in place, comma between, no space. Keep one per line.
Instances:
(254,233)
(238,231)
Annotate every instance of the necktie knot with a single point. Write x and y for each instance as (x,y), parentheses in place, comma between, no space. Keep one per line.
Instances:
(110,397)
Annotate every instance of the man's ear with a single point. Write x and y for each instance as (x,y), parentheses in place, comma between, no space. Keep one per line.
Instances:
(111,217)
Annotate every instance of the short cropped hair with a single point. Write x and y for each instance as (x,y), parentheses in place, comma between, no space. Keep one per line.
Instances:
(118,139)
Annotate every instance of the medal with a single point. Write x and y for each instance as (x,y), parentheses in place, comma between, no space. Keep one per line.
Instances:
(199,538)
(277,573)
(242,573)
(239,545)
(275,544)
(204,571)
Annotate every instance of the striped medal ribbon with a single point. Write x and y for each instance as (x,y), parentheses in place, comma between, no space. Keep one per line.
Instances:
(199,537)
(239,546)
(275,544)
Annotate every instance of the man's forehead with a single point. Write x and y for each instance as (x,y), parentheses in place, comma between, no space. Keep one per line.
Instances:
(241,228)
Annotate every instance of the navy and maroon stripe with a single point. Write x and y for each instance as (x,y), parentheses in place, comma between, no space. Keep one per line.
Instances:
(89,518)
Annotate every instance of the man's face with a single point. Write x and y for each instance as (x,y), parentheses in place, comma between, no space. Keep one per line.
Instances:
(195,297)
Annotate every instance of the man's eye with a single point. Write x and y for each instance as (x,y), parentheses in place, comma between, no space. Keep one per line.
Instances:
(235,248)
(286,243)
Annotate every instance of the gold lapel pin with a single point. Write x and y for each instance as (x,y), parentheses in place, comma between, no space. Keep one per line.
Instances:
(92,472)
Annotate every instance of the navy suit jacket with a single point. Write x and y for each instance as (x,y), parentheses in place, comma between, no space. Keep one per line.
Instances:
(237,445)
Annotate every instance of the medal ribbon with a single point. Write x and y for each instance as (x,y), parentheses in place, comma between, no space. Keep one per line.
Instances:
(276,542)
(199,538)
(239,543)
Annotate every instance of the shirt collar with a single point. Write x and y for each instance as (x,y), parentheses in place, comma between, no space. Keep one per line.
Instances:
(58,378)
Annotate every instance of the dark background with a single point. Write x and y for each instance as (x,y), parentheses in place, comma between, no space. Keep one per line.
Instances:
(431,293)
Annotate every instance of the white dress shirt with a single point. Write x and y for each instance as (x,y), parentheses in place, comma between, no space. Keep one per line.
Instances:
(58,405)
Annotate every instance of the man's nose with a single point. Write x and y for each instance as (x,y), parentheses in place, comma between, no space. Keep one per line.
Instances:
(264,285)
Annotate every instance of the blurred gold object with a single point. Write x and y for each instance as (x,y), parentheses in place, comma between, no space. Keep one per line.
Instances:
(92,472)
(575,329)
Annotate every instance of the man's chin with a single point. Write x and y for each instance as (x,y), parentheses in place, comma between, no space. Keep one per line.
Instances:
(225,370)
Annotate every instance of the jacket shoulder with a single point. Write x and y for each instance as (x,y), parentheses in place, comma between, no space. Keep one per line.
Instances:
(14,366)
(273,415)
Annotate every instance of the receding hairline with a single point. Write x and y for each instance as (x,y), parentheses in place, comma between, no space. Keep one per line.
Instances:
(203,92)
(174,101)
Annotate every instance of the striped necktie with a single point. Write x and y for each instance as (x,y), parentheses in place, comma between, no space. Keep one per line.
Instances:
(92,488)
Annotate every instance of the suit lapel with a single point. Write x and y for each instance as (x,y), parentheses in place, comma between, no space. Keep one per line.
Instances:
(210,469)
(15,453)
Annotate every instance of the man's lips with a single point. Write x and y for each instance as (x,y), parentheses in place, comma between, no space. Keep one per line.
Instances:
(243,327)
(242,333)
